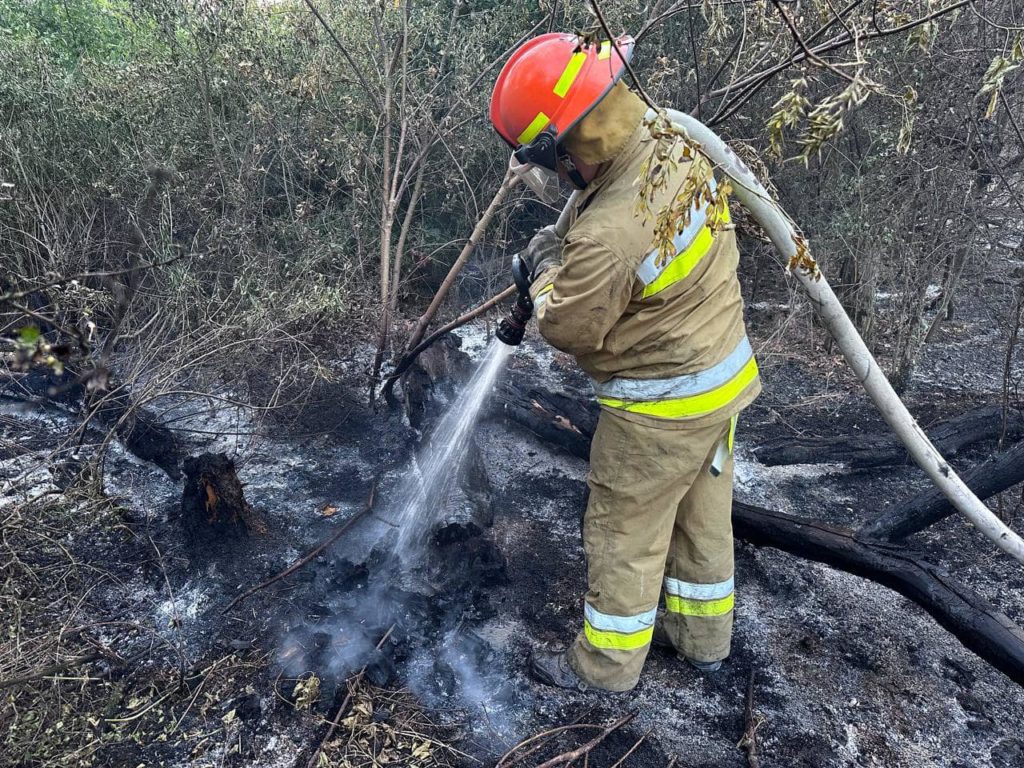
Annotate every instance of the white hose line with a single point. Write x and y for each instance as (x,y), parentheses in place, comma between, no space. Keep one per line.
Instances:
(562,225)
(793,247)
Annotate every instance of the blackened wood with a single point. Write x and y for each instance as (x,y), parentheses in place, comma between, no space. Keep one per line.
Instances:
(877,450)
(565,420)
(994,475)
(969,616)
(213,504)
(116,409)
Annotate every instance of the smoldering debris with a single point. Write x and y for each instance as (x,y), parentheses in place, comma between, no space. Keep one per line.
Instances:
(428,599)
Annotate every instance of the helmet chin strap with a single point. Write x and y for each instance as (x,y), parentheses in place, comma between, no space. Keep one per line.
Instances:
(570,168)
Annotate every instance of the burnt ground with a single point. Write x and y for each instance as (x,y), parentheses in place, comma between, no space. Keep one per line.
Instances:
(847,673)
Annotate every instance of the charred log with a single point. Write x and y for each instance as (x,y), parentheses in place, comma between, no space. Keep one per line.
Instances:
(213,505)
(974,621)
(567,422)
(994,475)
(115,409)
(877,450)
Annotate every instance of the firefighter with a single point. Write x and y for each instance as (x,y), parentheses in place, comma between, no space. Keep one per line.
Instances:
(657,323)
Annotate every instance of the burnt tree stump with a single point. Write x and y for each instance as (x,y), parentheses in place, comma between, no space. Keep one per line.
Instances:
(213,505)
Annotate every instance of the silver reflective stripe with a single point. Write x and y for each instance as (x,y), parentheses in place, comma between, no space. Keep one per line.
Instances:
(648,390)
(605,622)
(541,301)
(690,591)
(649,271)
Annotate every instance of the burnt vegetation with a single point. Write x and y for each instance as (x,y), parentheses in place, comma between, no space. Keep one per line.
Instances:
(228,230)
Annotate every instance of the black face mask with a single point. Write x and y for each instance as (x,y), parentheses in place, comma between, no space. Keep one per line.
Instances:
(542,151)
(547,152)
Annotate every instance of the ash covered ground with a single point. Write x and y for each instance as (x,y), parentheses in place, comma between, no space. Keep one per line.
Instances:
(847,673)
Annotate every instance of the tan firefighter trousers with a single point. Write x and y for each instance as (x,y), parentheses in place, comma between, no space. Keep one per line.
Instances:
(657,517)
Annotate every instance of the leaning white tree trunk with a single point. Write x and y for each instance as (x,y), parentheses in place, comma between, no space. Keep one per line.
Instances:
(793,247)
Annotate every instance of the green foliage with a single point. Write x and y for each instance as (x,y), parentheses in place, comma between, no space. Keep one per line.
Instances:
(66,31)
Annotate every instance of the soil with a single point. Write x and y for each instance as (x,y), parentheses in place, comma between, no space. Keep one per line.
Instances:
(846,672)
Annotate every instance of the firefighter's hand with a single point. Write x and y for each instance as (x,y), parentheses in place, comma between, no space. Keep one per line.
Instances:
(543,252)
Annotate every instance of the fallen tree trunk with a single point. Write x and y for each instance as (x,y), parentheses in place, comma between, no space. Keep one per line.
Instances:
(994,475)
(877,450)
(970,617)
(116,409)
(569,423)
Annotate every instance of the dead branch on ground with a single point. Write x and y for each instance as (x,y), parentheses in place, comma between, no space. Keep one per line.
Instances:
(996,474)
(752,721)
(410,357)
(567,757)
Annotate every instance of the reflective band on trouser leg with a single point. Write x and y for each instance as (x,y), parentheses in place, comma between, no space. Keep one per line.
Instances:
(618,633)
(689,599)
(692,406)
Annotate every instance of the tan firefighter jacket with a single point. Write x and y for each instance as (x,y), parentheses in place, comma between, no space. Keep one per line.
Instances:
(660,331)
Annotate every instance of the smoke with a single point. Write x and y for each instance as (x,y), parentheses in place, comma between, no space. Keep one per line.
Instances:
(427,576)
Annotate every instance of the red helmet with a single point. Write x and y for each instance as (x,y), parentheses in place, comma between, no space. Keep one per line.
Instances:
(548,85)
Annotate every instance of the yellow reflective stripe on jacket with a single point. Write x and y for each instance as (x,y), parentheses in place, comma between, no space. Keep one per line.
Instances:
(572,69)
(683,264)
(690,607)
(619,633)
(538,124)
(688,257)
(542,295)
(693,405)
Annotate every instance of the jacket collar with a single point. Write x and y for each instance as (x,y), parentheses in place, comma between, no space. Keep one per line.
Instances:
(614,168)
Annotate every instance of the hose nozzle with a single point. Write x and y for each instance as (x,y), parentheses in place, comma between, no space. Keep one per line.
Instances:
(513,326)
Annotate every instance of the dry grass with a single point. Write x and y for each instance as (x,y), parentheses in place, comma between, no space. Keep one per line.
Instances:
(389,728)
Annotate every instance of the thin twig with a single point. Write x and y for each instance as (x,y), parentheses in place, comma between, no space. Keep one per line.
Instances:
(344,52)
(629,70)
(752,721)
(567,757)
(632,749)
(312,554)
(65,279)
(804,47)
(50,670)
(542,739)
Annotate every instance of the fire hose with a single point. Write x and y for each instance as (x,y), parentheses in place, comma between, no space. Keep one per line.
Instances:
(793,247)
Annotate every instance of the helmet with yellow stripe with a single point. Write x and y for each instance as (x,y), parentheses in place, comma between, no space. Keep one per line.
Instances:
(547,86)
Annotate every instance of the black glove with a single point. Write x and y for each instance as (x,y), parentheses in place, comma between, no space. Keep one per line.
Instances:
(543,252)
